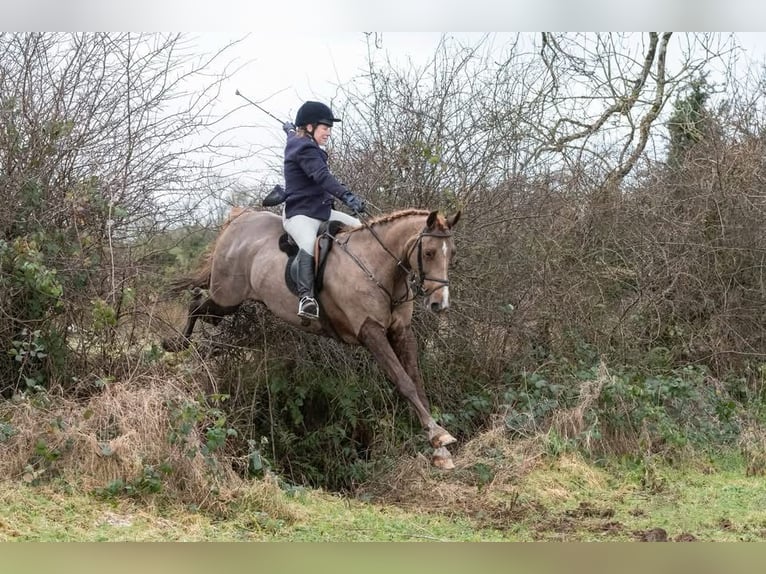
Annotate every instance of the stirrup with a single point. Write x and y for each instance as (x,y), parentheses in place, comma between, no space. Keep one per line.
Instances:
(307,307)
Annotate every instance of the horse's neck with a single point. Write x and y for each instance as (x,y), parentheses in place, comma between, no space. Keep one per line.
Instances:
(398,235)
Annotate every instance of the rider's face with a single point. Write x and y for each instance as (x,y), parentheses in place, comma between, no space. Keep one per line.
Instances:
(322,133)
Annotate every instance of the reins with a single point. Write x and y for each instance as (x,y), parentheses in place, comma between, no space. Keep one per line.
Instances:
(414,281)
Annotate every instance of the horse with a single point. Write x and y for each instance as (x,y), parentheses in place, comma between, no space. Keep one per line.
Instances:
(370,278)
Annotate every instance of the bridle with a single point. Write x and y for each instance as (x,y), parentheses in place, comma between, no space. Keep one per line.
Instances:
(417,284)
(414,280)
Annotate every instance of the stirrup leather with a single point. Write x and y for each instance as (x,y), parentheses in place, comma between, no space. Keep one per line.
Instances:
(307,307)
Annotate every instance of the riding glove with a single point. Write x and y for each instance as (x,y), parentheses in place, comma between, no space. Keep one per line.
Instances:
(356,203)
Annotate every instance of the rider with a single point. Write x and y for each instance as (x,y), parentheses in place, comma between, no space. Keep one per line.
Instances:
(310,190)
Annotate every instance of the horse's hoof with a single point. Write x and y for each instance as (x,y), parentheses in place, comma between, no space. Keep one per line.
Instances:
(447,439)
(442,440)
(442,459)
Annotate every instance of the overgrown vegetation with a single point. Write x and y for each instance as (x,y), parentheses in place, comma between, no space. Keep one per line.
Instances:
(608,301)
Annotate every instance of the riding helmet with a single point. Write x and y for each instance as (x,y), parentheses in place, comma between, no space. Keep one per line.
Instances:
(315,113)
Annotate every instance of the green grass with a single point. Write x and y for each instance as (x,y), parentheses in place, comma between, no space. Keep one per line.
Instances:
(711,504)
(561,499)
(703,500)
(50,513)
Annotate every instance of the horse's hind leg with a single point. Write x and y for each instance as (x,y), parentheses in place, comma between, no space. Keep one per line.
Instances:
(208,310)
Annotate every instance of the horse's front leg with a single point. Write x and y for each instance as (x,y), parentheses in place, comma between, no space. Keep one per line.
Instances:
(405,346)
(373,336)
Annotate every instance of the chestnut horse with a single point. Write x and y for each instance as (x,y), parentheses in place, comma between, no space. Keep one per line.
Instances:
(370,279)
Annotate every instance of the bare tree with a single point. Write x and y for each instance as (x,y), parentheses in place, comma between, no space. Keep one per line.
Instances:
(105,140)
(476,115)
(542,140)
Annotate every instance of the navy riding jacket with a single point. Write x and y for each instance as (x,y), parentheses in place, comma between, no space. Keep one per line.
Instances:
(310,187)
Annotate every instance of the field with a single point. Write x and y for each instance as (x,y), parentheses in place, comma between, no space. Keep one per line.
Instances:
(561,499)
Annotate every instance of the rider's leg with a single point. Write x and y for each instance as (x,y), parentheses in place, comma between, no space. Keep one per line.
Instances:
(307,304)
(303,230)
(344,218)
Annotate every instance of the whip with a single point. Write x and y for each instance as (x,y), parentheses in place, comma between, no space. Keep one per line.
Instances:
(259,107)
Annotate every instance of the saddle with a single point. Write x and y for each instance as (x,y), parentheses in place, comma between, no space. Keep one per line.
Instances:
(322,246)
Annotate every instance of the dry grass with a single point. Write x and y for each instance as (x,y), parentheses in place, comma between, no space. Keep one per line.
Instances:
(484,485)
(570,423)
(499,478)
(119,433)
(500,482)
(752,444)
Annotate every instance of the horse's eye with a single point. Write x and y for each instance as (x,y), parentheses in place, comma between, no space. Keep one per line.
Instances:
(429,254)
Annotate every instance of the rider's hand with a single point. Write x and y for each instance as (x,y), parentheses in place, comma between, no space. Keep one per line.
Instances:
(356,203)
(288,127)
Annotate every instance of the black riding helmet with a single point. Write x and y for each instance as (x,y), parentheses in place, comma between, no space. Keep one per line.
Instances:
(315,113)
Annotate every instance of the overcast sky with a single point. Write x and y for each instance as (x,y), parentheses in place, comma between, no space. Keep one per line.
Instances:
(298,16)
(284,69)
(281,70)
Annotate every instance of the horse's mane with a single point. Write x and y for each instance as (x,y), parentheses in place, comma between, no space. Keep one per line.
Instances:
(387,217)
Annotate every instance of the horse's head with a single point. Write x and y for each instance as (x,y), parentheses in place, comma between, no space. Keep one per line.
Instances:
(430,257)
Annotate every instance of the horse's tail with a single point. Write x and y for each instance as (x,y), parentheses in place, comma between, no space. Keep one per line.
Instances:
(201,278)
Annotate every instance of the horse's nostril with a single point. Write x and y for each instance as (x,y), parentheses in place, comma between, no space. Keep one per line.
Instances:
(436,307)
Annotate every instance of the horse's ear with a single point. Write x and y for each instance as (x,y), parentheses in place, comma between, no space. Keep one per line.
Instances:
(432,218)
(451,221)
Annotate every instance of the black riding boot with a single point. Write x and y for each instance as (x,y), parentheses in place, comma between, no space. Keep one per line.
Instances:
(307,306)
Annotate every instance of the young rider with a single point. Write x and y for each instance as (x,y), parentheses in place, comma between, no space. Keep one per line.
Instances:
(310,191)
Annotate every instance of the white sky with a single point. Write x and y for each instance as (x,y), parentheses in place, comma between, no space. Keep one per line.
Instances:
(289,68)
(281,70)
(295,16)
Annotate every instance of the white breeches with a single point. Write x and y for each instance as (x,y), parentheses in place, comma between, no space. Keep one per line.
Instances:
(303,229)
